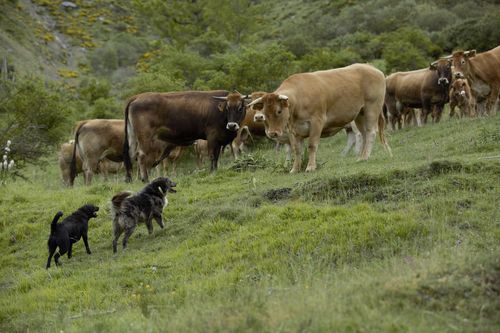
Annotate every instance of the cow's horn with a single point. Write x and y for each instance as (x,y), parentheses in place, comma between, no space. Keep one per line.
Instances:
(447,57)
(220,98)
(283,97)
(434,63)
(258,100)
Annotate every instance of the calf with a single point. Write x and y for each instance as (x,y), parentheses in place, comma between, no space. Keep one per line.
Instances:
(461,96)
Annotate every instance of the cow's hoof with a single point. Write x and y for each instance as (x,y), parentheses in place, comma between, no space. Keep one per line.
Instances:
(310,169)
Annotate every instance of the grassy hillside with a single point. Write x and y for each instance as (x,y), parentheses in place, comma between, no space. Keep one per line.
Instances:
(409,243)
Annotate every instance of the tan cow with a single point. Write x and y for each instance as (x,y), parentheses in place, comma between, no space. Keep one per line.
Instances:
(461,96)
(320,104)
(65,155)
(482,70)
(96,140)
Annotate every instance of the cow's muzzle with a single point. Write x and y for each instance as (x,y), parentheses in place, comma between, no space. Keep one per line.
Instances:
(233,126)
(259,117)
(443,81)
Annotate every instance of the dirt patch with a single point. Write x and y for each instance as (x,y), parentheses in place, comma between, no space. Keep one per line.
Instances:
(278,194)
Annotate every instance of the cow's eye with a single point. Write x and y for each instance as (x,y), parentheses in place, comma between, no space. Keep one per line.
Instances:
(462,62)
(279,111)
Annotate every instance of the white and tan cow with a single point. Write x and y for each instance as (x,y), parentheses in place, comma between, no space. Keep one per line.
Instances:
(320,104)
(482,71)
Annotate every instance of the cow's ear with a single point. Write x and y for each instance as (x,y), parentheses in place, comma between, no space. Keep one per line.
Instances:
(471,54)
(284,103)
(221,106)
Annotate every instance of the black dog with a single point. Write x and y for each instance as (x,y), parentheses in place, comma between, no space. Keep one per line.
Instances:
(69,231)
(128,210)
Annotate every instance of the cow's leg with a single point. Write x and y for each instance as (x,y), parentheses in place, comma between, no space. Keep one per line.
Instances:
(214,150)
(360,124)
(296,144)
(90,167)
(426,109)
(438,111)
(314,136)
(491,102)
(142,161)
(368,124)
(351,140)
(452,109)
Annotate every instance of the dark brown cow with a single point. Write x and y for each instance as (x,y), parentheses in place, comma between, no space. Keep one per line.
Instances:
(178,119)
(97,140)
(461,96)
(423,88)
(320,104)
(483,73)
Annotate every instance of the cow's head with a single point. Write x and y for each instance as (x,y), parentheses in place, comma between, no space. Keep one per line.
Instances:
(274,112)
(461,63)
(460,89)
(234,106)
(443,69)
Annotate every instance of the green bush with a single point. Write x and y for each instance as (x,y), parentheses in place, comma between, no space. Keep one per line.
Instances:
(33,116)
(323,58)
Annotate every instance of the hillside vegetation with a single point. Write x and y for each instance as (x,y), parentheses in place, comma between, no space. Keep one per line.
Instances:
(408,243)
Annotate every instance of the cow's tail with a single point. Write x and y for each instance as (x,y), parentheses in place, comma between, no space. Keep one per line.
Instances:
(72,166)
(381,127)
(53,225)
(116,203)
(127,161)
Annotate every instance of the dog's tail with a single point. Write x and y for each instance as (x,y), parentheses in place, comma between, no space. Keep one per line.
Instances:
(53,225)
(116,202)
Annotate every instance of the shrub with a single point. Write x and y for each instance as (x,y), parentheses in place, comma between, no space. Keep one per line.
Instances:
(33,116)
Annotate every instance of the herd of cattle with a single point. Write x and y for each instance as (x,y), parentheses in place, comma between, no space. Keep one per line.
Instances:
(358,98)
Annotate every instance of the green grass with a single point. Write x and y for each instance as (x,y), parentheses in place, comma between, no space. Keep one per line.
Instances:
(402,244)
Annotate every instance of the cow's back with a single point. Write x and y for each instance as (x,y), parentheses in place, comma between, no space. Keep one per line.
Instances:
(338,94)
(177,117)
(486,66)
(103,137)
(406,87)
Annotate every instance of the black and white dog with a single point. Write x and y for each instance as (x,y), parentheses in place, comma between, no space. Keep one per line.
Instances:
(128,210)
(69,231)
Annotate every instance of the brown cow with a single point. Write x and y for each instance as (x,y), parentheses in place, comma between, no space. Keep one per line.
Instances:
(461,96)
(483,73)
(423,88)
(96,140)
(178,119)
(320,104)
